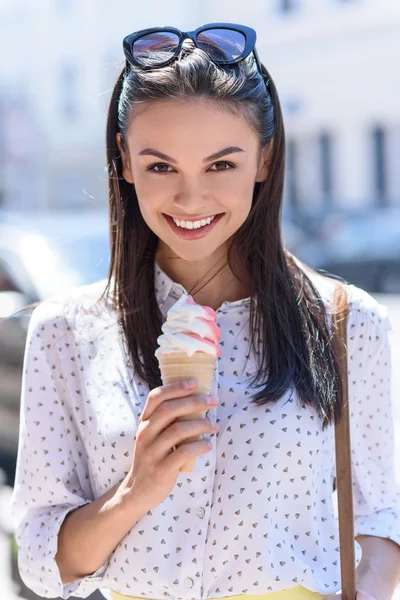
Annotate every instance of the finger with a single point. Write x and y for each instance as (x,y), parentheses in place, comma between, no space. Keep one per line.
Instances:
(179,434)
(180,409)
(171,423)
(181,455)
(178,389)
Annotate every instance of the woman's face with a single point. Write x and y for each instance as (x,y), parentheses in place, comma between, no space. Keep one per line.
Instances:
(187,182)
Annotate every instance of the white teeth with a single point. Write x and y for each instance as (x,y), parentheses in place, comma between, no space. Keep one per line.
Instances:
(193,224)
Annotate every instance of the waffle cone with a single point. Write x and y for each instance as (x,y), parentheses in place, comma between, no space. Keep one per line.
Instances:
(177,366)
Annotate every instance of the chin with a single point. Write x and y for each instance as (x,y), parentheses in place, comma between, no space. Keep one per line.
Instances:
(193,255)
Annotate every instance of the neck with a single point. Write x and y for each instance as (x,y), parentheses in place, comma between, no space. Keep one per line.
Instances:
(210,281)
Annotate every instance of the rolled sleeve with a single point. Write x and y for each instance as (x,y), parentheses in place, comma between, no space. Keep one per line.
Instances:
(376,492)
(51,459)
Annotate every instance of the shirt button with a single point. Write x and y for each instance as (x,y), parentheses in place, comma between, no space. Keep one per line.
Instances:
(200,512)
(188,582)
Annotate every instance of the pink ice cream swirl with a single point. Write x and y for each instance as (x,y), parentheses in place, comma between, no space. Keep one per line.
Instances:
(189,328)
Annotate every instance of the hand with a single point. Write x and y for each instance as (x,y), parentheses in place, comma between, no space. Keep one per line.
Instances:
(360,595)
(155,463)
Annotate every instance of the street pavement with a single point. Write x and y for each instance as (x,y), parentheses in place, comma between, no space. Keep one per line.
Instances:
(392,302)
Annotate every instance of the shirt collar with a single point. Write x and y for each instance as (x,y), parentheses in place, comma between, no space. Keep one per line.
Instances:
(165,286)
(169,291)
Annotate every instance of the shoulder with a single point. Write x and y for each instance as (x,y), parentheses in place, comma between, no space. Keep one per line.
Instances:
(79,307)
(368,333)
(365,308)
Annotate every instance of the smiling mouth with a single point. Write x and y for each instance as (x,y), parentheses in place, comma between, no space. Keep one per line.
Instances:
(192,234)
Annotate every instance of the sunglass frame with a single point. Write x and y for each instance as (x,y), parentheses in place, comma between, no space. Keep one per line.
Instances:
(248,33)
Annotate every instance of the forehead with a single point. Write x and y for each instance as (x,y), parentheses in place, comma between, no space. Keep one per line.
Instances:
(196,120)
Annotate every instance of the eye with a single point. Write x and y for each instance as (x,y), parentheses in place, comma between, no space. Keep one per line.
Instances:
(156,168)
(223,163)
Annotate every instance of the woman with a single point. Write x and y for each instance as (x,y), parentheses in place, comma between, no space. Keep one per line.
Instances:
(195,132)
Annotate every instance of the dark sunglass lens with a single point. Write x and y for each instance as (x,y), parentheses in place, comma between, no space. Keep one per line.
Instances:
(222,44)
(155,48)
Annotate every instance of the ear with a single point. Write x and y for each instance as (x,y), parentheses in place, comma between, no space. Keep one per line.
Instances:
(126,169)
(265,160)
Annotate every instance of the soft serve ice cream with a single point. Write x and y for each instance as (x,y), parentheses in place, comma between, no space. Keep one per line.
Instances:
(189,328)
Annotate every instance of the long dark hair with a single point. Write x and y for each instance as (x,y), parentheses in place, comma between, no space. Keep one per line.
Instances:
(289,316)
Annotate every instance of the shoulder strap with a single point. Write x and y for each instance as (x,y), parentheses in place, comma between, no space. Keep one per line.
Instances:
(343,449)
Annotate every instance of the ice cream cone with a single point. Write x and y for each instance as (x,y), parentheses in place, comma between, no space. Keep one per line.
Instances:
(178,366)
(188,349)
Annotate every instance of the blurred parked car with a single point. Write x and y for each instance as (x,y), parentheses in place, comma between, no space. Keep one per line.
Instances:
(363,248)
(294,237)
(41,254)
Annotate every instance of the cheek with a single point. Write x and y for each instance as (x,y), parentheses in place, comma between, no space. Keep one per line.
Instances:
(144,185)
(238,195)
(150,194)
(236,185)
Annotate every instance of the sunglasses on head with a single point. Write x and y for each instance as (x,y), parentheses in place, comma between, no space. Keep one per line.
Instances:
(225,44)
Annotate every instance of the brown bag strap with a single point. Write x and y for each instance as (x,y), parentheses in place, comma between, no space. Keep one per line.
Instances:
(343,450)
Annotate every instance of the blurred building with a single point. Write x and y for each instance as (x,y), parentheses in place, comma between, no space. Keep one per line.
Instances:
(334,63)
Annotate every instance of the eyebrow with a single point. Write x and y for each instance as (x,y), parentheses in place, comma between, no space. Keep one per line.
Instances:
(224,152)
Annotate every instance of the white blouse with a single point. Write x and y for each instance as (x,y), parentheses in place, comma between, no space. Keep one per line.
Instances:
(257,515)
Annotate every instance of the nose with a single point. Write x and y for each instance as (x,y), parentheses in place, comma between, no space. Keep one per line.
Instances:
(191,198)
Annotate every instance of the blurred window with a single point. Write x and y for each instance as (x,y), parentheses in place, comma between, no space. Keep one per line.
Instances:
(287,6)
(325,145)
(68,91)
(379,157)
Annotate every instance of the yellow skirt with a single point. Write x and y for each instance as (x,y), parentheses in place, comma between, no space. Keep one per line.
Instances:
(296,593)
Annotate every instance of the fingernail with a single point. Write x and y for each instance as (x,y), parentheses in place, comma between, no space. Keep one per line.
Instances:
(212,400)
(190,383)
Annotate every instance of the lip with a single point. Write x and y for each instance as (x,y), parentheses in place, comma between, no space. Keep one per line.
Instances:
(192,234)
(194,219)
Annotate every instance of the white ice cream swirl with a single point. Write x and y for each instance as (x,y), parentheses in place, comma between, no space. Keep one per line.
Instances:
(189,328)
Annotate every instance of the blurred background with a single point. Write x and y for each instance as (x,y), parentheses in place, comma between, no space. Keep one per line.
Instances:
(336,66)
